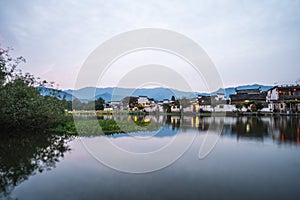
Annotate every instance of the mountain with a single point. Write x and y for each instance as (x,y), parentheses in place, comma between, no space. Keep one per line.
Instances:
(264,88)
(116,93)
(53,92)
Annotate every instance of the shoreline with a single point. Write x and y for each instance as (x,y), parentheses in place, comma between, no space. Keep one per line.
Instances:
(202,114)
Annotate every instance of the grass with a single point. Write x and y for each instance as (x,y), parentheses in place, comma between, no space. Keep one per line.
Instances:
(90,127)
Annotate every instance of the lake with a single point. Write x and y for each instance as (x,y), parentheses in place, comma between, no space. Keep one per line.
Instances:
(187,157)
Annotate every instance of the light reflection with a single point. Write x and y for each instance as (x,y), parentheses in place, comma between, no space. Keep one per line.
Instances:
(281,129)
(247,128)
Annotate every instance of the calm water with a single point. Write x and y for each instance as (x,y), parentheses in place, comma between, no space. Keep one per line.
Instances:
(254,158)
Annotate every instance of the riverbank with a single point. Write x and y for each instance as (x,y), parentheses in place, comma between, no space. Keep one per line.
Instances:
(103,126)
(99,114)
(87,123)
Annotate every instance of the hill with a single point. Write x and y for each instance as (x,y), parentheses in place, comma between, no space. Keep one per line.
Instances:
(159,94)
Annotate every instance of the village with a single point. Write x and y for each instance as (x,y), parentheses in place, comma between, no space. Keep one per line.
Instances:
(284,99)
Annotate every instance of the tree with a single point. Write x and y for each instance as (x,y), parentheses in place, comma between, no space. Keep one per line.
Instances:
(99,104)
(259,106)
(246,104)
(173,98)
(239,106)
(77,105)
(184,102)
(67,104)
(130,101)
(167,108)
(22,106)
(253,107)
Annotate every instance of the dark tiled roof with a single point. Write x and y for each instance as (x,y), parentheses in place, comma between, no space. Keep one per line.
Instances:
(288,87)
(251,97)
(248,91)
(289,97)
(204,100)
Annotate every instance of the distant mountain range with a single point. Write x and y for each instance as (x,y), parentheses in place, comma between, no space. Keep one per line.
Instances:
(116,93)
(53,92)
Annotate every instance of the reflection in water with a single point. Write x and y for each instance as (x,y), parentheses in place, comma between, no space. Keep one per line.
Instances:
(234,170)
(281,129)
(252,127)
(23,156)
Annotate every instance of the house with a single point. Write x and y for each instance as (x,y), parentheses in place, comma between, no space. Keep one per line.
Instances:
(205,103)
(146,104)
(143,101)
(247,96)
(212,103)
(175,108)
(112,105)
(285,98)
(225,108)
(160,106)
(220,98)
(168,106)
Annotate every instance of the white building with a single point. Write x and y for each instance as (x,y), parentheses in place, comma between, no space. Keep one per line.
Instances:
(112,105)
(220,97)
(143,100)
(225,108)
(175,108)
(284,98)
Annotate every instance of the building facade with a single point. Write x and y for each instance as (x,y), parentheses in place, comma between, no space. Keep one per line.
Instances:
(248,96)
(284,98)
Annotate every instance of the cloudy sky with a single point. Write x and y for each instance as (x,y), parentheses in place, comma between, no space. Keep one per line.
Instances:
(248,41)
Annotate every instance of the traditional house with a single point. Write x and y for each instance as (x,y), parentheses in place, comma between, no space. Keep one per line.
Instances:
(248,96)
(284,98)
(205,103)
(168,106)
(146,104)
(212,103)
(160,106)
(175,108)
(143,101)
(112,105)
(220,98)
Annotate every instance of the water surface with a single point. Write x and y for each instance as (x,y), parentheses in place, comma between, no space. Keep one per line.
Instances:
(255,158)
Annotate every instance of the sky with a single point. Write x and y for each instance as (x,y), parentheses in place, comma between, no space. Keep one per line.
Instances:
(249,42)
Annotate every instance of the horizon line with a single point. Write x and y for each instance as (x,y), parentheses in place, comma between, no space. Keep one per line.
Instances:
(97,87)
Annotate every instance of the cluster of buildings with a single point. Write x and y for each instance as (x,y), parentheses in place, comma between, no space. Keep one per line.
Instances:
(145,104)
(282,99)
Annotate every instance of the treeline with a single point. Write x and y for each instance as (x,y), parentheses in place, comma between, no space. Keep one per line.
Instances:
(76,104)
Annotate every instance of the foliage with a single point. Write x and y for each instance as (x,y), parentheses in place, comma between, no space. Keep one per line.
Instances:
(292,101)
(99,104)
(173,98)
(100,126)
(91,105)
(67,104)
(130,101)
(239,106)
(253,108)
(259,106)
(167,108)
(22,106)
(184,102)
(246,104)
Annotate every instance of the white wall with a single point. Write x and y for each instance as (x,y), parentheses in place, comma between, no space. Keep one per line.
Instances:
(272,95)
